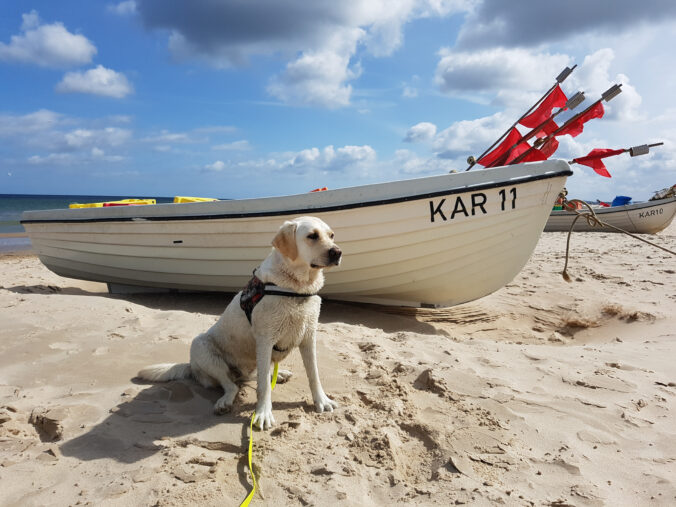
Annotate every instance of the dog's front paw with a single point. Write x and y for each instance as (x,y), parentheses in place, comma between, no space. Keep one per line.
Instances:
(324,404)
(264,418)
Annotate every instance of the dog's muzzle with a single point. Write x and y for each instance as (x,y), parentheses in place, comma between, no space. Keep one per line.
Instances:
(334,255)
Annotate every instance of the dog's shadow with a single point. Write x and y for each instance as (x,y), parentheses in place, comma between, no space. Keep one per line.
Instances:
(163,415)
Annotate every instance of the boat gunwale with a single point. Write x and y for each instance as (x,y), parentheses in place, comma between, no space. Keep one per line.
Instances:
(618,209)
(321,209)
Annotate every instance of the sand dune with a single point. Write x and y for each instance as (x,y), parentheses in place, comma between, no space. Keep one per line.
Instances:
(544,393)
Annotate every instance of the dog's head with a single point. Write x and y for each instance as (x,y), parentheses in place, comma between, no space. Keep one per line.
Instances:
(308,240)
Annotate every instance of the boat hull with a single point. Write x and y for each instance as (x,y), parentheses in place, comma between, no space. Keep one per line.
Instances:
(436,241)
(642,218)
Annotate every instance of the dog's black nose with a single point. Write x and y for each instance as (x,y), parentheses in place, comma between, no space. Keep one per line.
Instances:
(334,255)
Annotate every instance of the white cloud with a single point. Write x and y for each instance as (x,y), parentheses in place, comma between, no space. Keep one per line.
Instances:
(410,164)
(308,161)
(219,165)
(120,118)
(331,159)
(52,158)
(85,138)
(166,140)
(20,125)
(242,145)
(54,138)
(498,69)
(527,23)
(319,77)
(513,79)
(47,45)
(216,129)
(97,81)
(309,156)
(467,137)
(637,177)
(324,37)
(70,159)
(409,92)
(167,137)
(123,8)
(594,77)
(421,132)
(628,173)
(30,20)
(451,146)
(526,34)
(352,154)
(410,89)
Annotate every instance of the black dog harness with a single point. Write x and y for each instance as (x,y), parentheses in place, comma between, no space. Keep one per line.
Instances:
(254,292)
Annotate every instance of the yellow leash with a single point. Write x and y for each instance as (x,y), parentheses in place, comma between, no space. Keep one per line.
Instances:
(247,500)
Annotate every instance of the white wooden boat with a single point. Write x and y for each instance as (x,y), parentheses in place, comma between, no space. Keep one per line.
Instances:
(442,240)
(647,217)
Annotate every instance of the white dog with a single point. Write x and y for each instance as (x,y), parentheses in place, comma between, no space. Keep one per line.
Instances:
(277,311)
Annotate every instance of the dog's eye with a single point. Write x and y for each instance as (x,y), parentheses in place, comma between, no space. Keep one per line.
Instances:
(331,235)
(314,236)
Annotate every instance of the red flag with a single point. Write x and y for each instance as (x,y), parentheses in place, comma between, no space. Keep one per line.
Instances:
(593,160)
(549,147)
(534,155)
(575,127)
(489,158)
(555,99)
(548,129)
(600,168)
(516,151)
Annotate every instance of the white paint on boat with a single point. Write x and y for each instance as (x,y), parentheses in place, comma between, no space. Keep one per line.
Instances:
(442,240)
(647,217)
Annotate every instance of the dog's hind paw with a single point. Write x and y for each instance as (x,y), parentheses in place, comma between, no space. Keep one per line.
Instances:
(221,407)
(283,376)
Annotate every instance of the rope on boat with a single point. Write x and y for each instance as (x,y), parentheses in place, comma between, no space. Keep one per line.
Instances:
(593,221)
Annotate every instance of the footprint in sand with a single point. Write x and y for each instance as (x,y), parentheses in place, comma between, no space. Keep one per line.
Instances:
(595,437)
(69,348)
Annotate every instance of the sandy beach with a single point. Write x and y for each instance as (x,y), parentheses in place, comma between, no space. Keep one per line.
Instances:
(543,393)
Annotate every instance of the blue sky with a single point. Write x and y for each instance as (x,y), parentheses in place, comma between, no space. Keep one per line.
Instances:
(233,98)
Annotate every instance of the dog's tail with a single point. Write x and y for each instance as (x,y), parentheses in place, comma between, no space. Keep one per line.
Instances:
(164,372)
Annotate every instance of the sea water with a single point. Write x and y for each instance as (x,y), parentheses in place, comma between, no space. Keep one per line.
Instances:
(12,205)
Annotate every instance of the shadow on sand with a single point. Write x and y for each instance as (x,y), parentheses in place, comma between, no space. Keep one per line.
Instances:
(51,289)
(213,303)
(160,412)
(168,415)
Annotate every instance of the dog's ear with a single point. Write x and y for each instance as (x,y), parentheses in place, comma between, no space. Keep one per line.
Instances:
(285,240)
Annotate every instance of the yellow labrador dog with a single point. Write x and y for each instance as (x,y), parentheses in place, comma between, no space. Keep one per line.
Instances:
(276,312)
